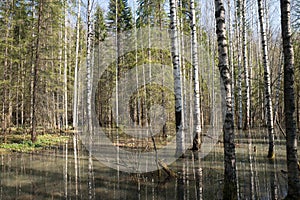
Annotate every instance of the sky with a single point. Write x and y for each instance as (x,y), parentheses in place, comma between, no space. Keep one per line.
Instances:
(207,10)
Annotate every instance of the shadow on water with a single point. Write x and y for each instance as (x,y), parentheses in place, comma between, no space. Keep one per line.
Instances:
(70,172)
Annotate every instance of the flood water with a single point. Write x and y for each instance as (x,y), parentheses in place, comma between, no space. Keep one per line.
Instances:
(59,173)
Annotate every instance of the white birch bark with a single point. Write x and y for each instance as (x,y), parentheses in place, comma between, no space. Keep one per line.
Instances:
(239,63)
(245,63)
(197,122)
(65,68)
(267,80)
(231,65)
(75,97)
(177,78)
(89,66)
(230,180)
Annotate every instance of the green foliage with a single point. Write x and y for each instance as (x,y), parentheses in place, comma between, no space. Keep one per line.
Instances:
(99,24)
(119,16)
(20,143)
(151,12)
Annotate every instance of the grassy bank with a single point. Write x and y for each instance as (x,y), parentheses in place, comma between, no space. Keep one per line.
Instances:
(22,143)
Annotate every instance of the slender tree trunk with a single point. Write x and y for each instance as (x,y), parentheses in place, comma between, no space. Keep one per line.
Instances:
(197,122)
(266,80)
(65,67)
(278,88)
(231,65)
(89,66)
(59,96)
(177,79)
(182,65)
(239,63)
(289,104)
(35,75)
(75,97)
(118,48)
(230,181)
(5,120)
(245,63)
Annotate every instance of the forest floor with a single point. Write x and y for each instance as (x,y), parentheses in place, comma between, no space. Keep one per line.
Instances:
(20,142)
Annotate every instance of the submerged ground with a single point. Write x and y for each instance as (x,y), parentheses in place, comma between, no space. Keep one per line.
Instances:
(62,173)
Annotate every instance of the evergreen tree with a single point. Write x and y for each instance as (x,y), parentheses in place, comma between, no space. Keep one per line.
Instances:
(119,16)
(151,12)
(99,24)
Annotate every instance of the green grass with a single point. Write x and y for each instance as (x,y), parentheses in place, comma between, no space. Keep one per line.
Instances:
(19,143)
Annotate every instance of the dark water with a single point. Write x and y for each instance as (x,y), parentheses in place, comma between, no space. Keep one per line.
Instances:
(62,174)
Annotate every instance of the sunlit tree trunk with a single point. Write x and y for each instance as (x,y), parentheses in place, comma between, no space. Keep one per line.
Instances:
(239,65)
(89,98)
(289,104)
(182,61)
(89,66)
(266,80)
(65,67)
(177,79)
(245,63)
(197,122)
(230,61)
(230,185)
(75,97)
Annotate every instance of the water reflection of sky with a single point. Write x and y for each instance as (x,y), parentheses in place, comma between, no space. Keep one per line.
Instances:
(57,174)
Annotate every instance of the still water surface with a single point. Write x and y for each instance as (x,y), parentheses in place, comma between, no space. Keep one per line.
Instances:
(62,173)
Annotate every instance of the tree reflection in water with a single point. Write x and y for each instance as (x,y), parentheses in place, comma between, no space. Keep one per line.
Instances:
(73,173)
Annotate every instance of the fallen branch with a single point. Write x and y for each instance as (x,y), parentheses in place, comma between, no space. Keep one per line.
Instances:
(280,128)
(167,169)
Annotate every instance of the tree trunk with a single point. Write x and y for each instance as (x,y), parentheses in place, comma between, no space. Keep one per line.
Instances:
(118,48)
(230,181)
(177,79)
(278,88)
(65,68)
(6,99)
(230,61)
(266,80)
(75,97)
(245,63)
(239,63)
(35,75)
(88,68)
(289,104)
(197,122)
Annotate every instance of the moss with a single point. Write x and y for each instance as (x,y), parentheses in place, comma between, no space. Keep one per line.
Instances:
(23,143)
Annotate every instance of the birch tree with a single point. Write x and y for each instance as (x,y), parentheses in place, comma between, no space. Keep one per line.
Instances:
(65,66)
(245,63)
(289,102)
(89,66)
(239,63)
(230,184)
(197,122)
(75,94)
(267,81)
(177,78)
